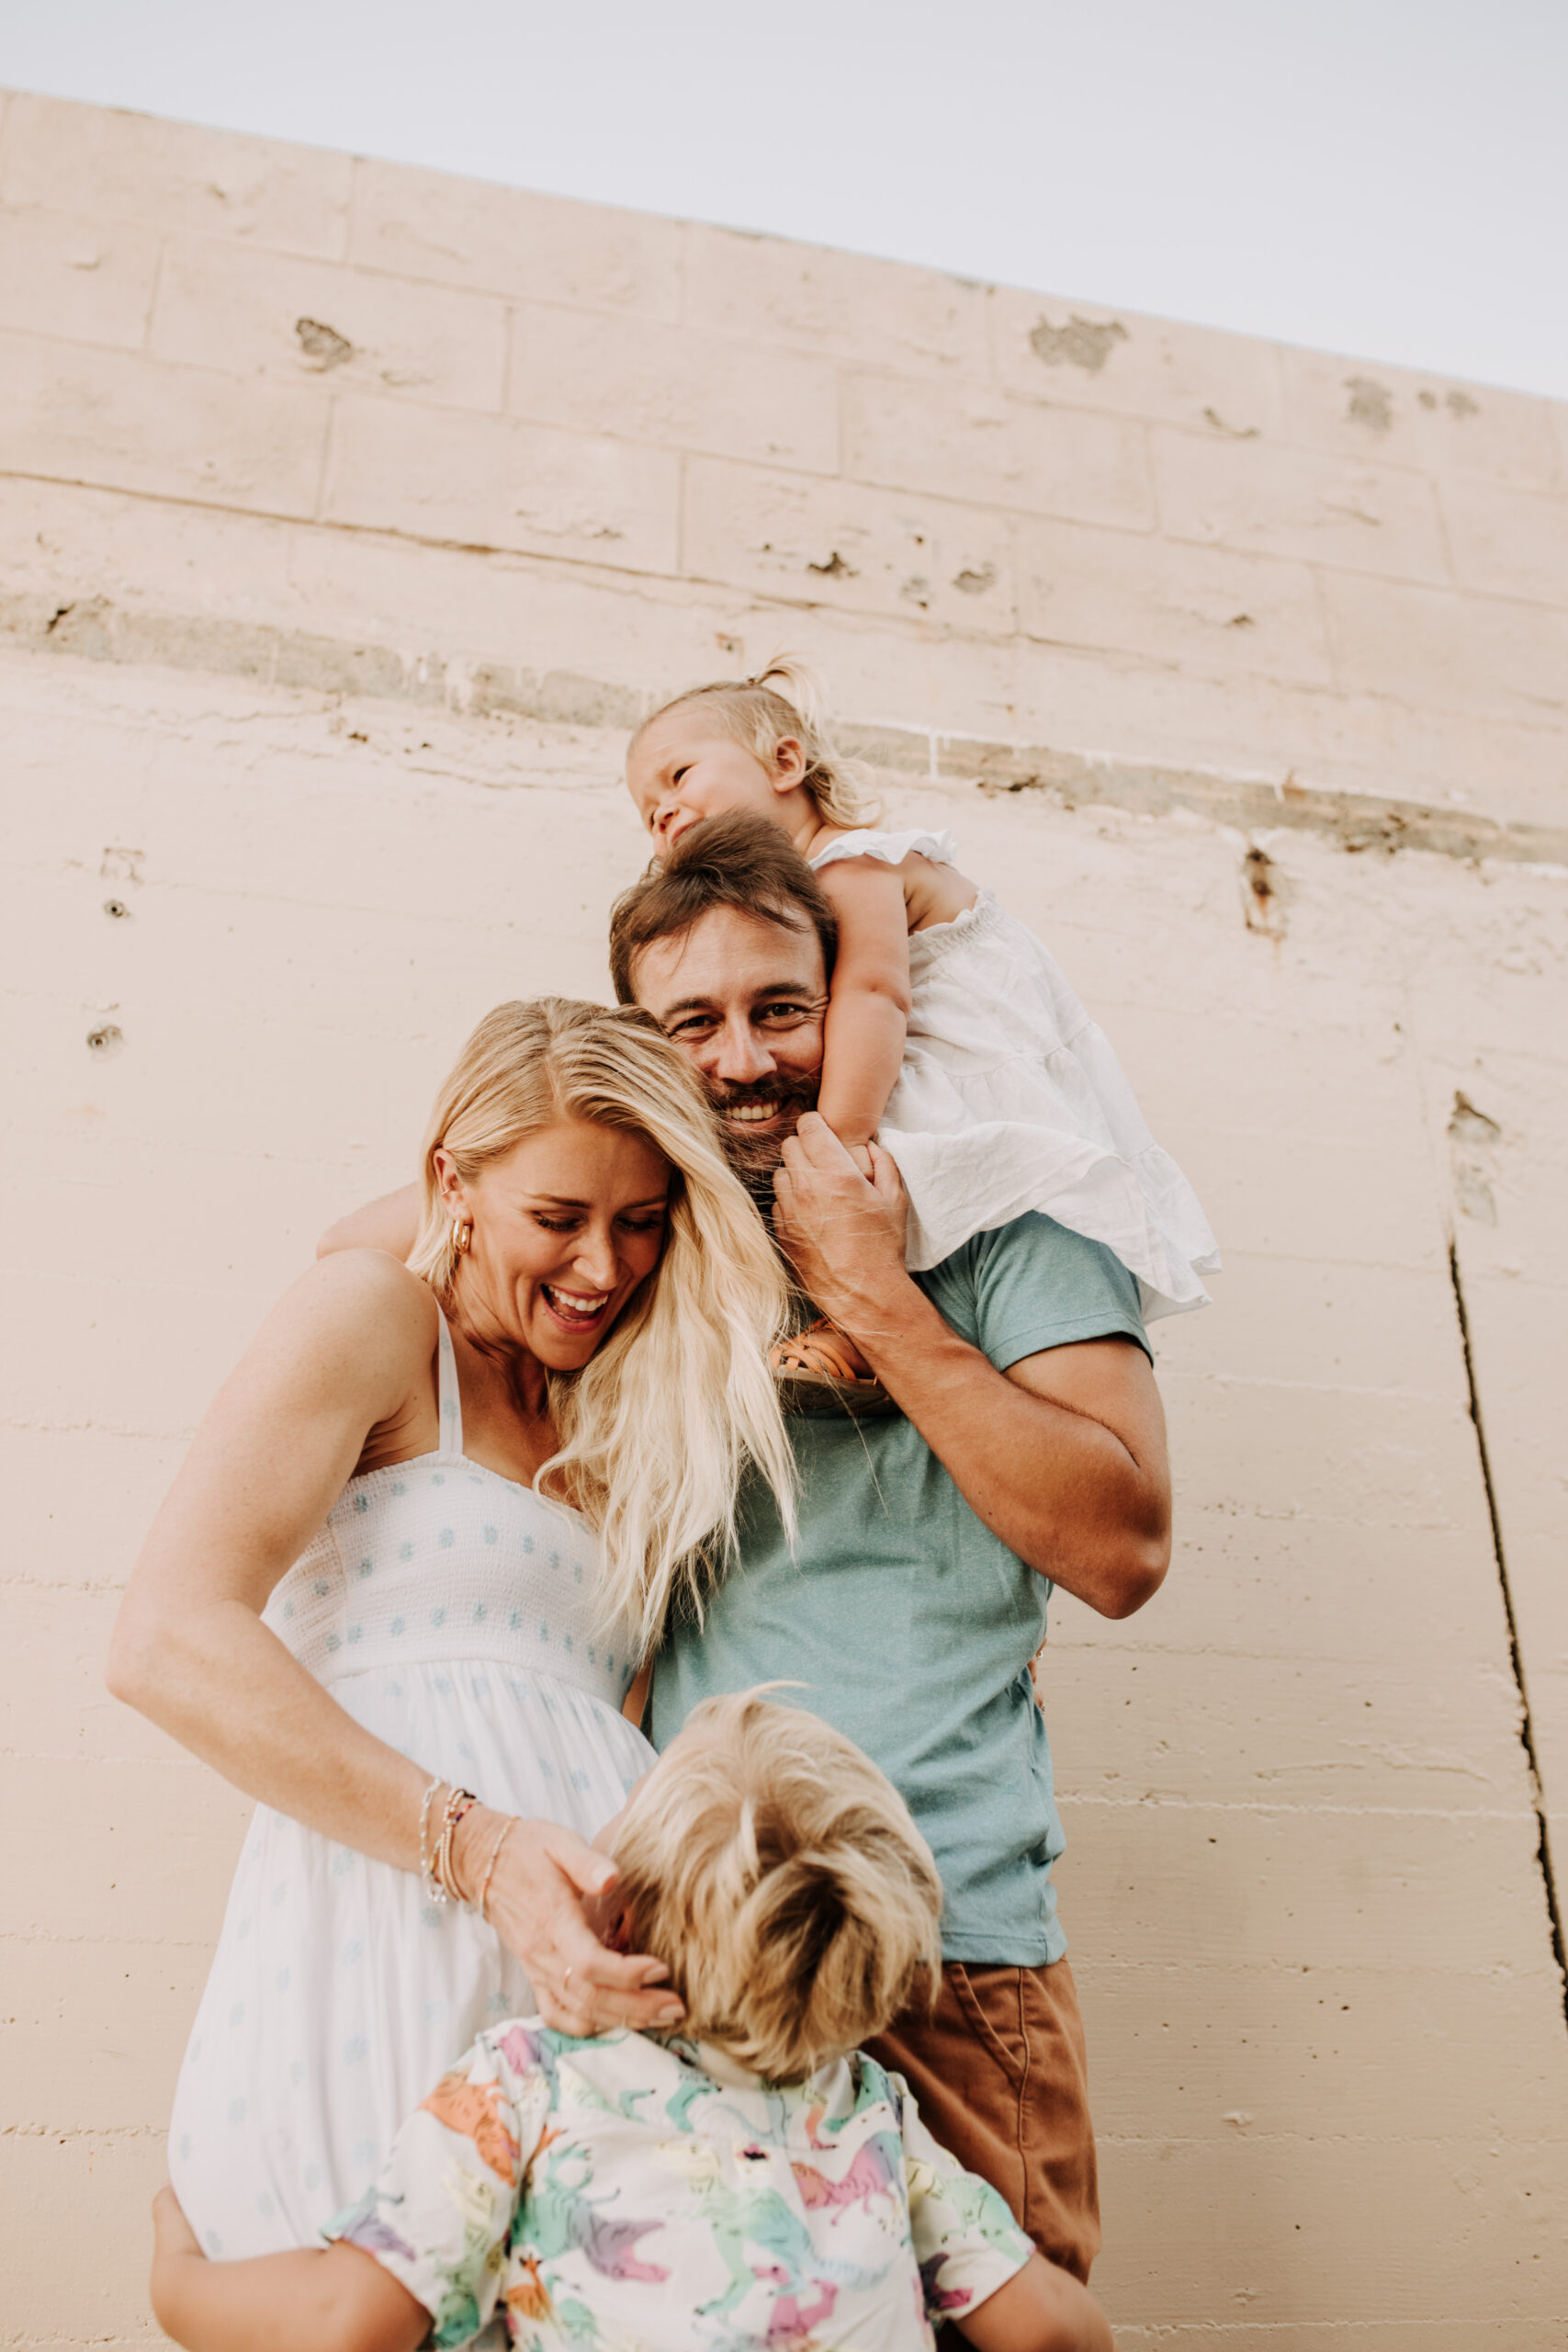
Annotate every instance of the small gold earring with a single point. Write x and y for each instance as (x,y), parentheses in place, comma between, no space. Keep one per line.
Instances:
(462,1234)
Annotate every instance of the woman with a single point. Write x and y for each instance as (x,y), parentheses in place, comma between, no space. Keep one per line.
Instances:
(421,1541)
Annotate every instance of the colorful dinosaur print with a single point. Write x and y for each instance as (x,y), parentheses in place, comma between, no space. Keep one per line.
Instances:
(475,2111)
(600,2193)
(875,2170)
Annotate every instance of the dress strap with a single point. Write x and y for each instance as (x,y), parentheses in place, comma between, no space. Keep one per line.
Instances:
(448,1402)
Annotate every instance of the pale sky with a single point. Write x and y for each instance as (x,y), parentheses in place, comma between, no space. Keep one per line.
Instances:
(1387,179)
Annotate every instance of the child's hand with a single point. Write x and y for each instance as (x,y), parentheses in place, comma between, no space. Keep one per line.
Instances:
(861,1154)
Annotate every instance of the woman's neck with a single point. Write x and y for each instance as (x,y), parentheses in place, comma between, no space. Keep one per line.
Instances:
(498,1368)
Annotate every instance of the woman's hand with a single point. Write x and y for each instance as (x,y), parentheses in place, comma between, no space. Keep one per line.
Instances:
(537,1904)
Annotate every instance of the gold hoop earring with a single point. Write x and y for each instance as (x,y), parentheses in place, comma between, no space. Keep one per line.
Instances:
(462,1236)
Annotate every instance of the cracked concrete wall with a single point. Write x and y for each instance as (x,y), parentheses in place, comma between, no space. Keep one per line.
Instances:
(349,517)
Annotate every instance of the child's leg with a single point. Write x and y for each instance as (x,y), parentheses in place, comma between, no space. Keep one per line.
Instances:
(322,2299)
(1041,2308)
(821,1347)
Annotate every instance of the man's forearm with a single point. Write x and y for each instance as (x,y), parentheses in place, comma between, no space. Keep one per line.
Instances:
(1062,1456)
(1058,1488)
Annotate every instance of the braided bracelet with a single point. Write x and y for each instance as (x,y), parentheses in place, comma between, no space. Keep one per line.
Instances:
(431,1893)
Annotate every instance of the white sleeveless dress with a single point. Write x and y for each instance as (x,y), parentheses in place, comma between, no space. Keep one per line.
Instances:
(1011,1099)
(452,1613)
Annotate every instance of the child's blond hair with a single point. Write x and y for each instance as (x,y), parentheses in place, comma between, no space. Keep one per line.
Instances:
(787,699)
(779,1876)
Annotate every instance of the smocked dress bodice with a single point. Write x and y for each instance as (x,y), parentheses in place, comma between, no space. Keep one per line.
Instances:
(441,1559)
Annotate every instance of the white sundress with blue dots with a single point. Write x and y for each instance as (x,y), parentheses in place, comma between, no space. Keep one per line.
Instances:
(452,1613)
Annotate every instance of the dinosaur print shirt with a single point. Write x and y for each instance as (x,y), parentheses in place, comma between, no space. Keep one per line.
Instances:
(626,2195)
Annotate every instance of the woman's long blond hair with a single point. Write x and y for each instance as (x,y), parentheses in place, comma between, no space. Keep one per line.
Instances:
(787,698)
(658,1427)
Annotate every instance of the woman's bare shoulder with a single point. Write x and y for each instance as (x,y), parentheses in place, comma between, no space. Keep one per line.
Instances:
(366,1282)
(354,1305)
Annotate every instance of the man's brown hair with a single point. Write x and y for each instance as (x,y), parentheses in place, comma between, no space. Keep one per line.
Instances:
(738,860)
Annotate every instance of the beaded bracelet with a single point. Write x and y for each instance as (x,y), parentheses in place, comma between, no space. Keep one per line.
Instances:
(436,1875)
(459,1802)
(507,1826)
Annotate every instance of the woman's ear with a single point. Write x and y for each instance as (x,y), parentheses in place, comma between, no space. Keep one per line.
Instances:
(454,1198)
(789,764)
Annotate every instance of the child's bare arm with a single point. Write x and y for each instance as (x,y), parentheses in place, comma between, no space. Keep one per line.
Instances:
(868,1008)
(321,2298)
(390,1224)
(1041,2308)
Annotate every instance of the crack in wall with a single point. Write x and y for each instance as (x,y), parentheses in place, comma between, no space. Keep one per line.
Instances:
(1526,1724)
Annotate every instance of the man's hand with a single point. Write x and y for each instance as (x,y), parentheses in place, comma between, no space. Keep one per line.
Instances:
(843,1236)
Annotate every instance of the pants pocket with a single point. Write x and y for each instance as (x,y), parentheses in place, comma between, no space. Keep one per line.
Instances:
(991,2001)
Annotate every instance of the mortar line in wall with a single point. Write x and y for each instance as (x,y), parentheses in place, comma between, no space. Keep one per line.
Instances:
(1067,780)
(1527,1721)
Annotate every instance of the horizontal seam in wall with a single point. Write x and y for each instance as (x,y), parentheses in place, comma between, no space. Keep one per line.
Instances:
(286,659)
(1070,1797)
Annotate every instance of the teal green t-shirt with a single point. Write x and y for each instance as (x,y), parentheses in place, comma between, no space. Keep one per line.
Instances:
(909,1625)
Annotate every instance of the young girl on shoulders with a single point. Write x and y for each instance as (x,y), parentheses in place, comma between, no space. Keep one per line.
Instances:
(951,1037)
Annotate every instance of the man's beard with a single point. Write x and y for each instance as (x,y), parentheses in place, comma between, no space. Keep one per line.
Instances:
(751,1155)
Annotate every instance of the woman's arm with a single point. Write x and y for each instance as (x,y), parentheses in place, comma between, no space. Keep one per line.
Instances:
(347,1352)
(321,2298)
(868,1008)
(390,1224)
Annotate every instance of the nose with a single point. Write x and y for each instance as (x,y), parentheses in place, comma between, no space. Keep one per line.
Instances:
(736,1054)
(664,817)
(594,1260)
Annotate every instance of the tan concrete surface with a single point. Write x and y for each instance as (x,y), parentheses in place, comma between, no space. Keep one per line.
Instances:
(317,655)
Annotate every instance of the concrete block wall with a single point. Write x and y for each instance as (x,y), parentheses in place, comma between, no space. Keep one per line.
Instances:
(349,516)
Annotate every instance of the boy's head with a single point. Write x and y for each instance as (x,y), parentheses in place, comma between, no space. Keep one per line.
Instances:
(778,1874)
(757,744)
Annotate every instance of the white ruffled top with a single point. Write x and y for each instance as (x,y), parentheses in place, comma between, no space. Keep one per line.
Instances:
(1011,1099)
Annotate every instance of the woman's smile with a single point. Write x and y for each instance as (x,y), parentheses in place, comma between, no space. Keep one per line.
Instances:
(575,1311)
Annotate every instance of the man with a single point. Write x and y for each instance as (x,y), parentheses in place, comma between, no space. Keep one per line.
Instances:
(1028,1451)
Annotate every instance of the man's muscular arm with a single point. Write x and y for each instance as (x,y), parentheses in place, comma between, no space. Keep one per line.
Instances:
(1062,1456)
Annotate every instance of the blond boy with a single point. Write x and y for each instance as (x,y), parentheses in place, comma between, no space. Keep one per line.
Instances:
(756,2183)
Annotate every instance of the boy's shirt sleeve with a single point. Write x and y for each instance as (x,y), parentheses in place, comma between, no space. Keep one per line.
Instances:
(967,2242)
(440,2215)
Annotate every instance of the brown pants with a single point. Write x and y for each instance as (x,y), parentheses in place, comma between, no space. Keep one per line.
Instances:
(999,2071)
